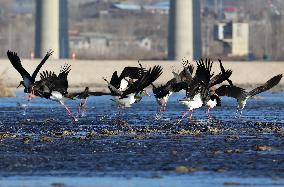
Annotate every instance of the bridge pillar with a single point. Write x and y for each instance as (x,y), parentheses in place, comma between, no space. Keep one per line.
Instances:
(51,28)
(184,38)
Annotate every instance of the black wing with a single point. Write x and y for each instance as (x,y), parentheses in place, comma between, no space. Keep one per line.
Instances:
(115,80)
(45,85)
(147,79)
(16,62)
(48,54)
(203,72)
(186,73)
(187,65)
(83,95)
(268,85)
(161,91)
(42,88)
(61,83)
(223,71)
(99,93)
(219,78)
(64,71)
(114,84)
(201,79)
(132,72)
(176,87)
(231,91)
(46,74)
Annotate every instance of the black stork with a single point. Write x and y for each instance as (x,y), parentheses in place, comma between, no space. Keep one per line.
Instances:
(242,95)
(83,96)
(28,79)
(176,84)
(125,91)
(199,91)
(54,87)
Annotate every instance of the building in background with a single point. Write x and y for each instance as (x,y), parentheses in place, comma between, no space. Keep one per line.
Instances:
(146,25)
(240,39)
(235,38)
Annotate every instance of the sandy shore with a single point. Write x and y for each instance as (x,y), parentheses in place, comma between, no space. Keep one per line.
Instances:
(90,73)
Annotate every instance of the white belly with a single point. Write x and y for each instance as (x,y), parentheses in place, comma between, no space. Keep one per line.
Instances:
(194,103)
(126,102)
(242,103)
(163,101)
(56,96)
(211,104)
(123,85)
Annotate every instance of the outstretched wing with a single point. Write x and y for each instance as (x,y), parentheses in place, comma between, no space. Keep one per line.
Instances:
(16,62)
(186,73)
(201,79)
(45,84)
(176,87)
(46,74)
(219,78)
(132,72)
(177,77)
(187,65)
(64,71)
(147,79)
(75,95)
(115,80)
(99,93)
(161,91)
(48,54)
(61,83)
(223,71)
(231,91)
(46,78)
(203,71)
(268,85)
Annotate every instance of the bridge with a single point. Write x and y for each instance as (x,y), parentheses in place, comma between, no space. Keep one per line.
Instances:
(184,39)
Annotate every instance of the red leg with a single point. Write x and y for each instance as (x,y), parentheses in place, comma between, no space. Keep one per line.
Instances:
(84,107)
(162,109)
(79,108)
(69,112)
(120,114)
(190,115)
(184,114)
(78,111)
(208,114)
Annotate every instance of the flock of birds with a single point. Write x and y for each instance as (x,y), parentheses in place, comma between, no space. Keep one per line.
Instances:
(130,86)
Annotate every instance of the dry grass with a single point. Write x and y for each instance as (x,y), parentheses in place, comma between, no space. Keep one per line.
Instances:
(4,90)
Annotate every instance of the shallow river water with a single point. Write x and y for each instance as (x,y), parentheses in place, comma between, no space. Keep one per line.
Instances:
(139,148)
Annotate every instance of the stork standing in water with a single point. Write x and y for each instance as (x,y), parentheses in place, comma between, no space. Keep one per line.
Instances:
(54,87)
(83,96)
(28,79)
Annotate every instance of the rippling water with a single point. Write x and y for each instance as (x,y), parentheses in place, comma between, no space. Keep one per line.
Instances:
(45,147)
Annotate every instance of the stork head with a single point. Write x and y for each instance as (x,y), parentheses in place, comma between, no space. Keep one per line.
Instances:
(21,84)
(217,98)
